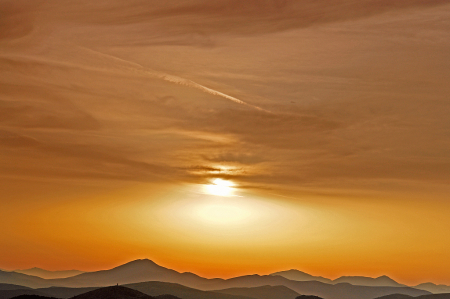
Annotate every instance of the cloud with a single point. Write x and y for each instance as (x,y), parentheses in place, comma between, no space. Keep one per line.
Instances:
(177,80)
(119,95)
(11,139)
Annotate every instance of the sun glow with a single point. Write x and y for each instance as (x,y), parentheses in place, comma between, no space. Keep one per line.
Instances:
(222,213)
(220,187)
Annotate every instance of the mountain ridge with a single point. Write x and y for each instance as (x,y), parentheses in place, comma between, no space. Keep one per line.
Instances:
(433,288)
(145,270)
(263,292)
(294,274)
(47,274)
(369,281)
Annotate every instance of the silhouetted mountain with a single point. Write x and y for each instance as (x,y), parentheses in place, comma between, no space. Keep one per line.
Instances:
(114,292)
(430,296)
(396,296)
(264,292)
(327,291)
(157,288)
(32,297)
(8,286)
(42,273)
(382,281)
(7,294)
(152,288)
(301,276)
(146,270)
(433,288)
(435,296)
(308,297)
(61,292)
(23,279)
(132,272)
(166,297)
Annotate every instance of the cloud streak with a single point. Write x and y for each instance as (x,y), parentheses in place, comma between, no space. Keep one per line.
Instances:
(177,80)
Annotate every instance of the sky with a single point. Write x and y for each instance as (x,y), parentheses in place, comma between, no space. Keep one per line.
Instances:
(227,137)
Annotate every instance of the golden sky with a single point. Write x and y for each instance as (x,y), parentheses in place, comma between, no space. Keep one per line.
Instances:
(326,122)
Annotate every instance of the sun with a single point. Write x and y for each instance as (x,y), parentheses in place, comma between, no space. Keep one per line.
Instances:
(220,187)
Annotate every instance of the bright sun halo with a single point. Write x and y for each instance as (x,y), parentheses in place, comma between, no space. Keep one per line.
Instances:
(220,187)
(222,213)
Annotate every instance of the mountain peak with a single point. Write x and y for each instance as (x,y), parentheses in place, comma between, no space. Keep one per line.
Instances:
(385,277)
(294,274)
(368,281)
(292,271)
(295,271)
(146,262)
(143,261)
(141,265)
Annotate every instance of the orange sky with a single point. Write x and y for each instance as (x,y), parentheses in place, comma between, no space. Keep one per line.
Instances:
(329,117)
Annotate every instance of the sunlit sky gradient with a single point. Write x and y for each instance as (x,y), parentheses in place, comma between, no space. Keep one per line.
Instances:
(227,137)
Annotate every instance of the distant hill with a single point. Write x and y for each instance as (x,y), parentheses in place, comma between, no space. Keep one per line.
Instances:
(157,288)
(42,273)
(7,277)
(435,296)
(264,292)
(166,297)
(382,281)
(132,272)
(433,288)
(327,291)
(430,296)
(61,292)
(152,288)
(308,297)
(146,270)
(119,292)
(396,296)
(301,276)
(114,292)
(7,286)
(7,294)
(33,297)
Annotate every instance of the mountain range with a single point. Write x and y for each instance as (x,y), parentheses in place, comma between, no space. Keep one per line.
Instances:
(42,273)
(297,275)
(122,292)
(148,277)
(382,281)
(362,280)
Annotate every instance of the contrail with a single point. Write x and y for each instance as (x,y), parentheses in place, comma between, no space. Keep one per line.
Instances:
(189,83)
(177,80)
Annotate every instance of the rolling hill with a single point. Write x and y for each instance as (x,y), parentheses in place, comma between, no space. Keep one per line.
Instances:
(264,292)
(61,292)
(7,294)
(7,286)
(382,281)
(42,273)
(14,278)
(430,296)
(33,297)
(132,272)
(146,270)
(113,292)
(433,288)
(156,288)
(301,276)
